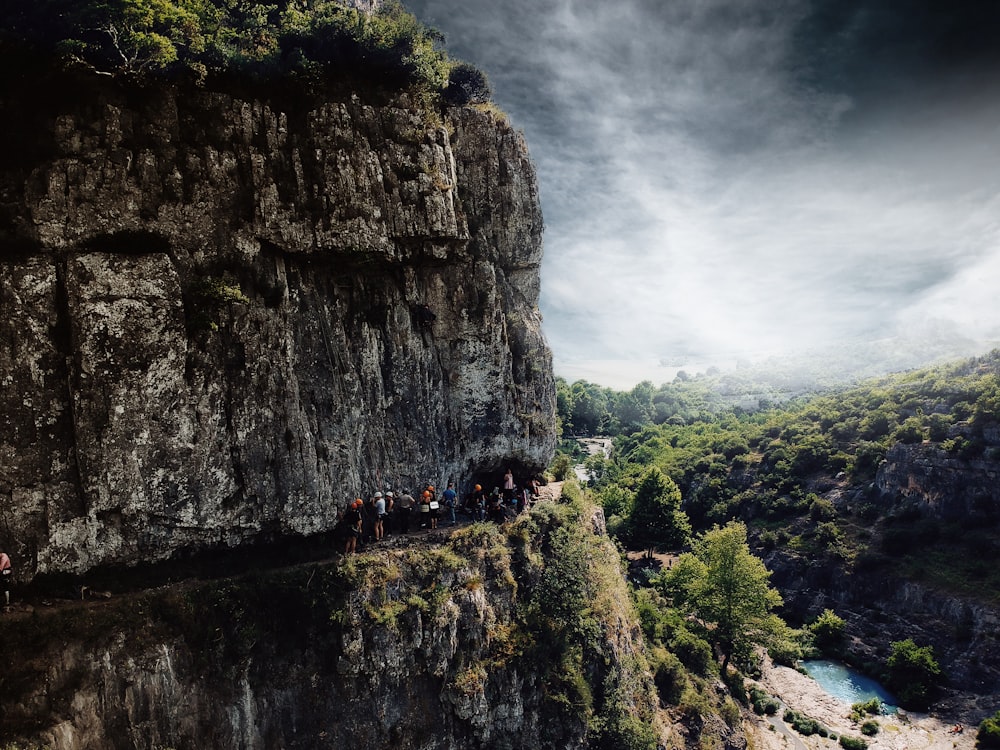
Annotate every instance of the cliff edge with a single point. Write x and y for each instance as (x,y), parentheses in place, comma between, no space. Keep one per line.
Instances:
(209,327)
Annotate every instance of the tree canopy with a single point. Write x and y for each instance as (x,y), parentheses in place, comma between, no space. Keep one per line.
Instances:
(657,519)
(727,588)
(306,40)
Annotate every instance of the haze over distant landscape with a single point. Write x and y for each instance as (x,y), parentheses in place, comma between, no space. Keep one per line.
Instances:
(728,181)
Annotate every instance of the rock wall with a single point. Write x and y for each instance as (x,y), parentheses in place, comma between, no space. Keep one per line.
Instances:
(207,327)
(941,484)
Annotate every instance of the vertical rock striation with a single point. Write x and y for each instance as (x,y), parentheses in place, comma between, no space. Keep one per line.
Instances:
(207,329)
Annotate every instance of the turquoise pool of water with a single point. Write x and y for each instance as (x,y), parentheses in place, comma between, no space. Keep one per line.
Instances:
(844,683)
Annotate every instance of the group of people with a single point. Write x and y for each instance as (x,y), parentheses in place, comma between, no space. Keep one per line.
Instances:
(369,521)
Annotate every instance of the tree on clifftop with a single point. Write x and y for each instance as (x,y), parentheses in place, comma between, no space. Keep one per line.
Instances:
(727,589)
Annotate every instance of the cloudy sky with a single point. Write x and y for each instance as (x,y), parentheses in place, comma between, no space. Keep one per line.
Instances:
(727,180)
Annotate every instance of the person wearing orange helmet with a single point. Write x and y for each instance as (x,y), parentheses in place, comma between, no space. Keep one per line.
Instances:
(433,506)
(476,503)
(425,509)
(352,520)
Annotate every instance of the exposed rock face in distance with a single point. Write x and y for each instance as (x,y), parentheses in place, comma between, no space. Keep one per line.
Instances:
(147,410)
(940,483)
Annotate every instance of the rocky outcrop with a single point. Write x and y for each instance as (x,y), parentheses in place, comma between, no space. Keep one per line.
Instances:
(207,314)
(939,483)
(433,646)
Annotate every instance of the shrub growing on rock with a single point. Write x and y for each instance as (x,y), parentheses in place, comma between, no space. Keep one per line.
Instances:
(913,673)
(852,743)
(989,732)
(828,631)
(467,85)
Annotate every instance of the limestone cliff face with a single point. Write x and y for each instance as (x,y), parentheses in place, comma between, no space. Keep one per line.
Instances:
(145,409)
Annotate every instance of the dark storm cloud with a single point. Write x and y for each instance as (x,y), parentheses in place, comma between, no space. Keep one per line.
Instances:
(729,178)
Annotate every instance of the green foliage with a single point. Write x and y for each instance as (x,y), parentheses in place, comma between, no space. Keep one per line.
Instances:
(621,732)
(913,673)
(657,519)
(208,297)
(852,743)
(669,675)
(562,467)
(871,707)
(727,588)
(780,467)
(763,703)
(804,725)
(259,40)
(694,653)
(869,728)
(828,630)
(988,735)
(467,85)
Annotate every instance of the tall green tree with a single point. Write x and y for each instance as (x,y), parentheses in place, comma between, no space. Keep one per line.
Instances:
(727,589)
(657,519)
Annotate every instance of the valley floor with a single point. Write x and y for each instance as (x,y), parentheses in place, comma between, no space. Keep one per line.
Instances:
(903,731)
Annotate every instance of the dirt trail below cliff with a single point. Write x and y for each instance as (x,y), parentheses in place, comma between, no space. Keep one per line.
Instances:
(902,731)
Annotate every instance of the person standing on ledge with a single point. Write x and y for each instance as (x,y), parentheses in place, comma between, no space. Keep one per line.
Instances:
(508,485)
(6,573)
(449,496)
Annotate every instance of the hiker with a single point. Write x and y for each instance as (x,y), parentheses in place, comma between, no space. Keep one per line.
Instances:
(494,506)
(534,485)
(378,505)
(425,510)
(390,513)
(449,496)
(403,509)
(476,503)
(6,573)
(433,506)
(522,500)
(352,519)
(508,485)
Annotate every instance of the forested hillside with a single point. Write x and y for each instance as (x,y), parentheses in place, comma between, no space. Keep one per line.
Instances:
(806,475)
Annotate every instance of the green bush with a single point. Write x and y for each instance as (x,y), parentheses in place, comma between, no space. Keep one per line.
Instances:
(467,85)
(562,467)
(762,702)
(730,713)
(828,630)
(144,38)
(669,676)
(913,673)
(804,725)
(852,743)
(989,732)
(694,653)
(860,710)
(869,728)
